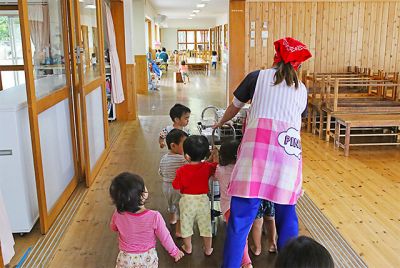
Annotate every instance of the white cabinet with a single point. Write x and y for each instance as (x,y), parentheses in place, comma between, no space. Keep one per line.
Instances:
(17,176)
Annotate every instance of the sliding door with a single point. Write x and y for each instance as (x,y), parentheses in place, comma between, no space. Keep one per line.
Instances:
(50,103)
(89,74)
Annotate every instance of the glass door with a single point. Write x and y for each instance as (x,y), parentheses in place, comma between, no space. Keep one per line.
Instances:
(50,103)
(89,74)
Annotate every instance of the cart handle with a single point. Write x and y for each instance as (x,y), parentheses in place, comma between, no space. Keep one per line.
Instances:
(213,133)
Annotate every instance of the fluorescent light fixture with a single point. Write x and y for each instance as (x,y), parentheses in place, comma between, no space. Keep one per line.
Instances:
(82,1)
(192,15)
(201,5)
(91,6)
(205,0)
(196,11)
(189,18)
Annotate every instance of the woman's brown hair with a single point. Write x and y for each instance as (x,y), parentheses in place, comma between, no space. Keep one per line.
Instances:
(285,71)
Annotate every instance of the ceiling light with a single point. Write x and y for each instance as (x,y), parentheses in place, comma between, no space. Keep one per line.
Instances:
(82,1)
(201,5)
(196,11)
(205,0)
(189,18)
(192,15)
(91,6)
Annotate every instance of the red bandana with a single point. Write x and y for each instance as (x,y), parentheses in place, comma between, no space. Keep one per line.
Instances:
(291,50)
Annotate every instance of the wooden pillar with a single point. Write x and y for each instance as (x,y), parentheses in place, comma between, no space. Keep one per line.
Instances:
(141,81)
(128,109)
(237,10)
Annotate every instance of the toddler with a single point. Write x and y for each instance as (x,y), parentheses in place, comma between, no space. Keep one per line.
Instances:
(137,226)
(180,115)
(169,163)
(227,160)
(266,212)
(192,181)
(184,69)
(214,59)
(93,60)
(304,252)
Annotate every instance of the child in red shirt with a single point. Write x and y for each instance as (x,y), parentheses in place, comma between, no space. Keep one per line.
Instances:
(192,181)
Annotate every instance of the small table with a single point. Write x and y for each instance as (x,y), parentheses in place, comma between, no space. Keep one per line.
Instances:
(365,120)
(197,64)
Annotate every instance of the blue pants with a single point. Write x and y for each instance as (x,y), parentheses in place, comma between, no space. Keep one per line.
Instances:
(243,213)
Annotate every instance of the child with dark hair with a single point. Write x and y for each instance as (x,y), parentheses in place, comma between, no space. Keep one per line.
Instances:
(184,70)
(304,252)
(180,115)
(169,163)
(137,226)
(227,160)
(192,181)
(214,59)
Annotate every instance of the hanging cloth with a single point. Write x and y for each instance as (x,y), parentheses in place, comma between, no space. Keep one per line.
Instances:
(6,237)
(117,92)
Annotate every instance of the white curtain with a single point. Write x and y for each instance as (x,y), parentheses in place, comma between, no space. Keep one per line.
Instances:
(117,92)
(6,238)
(39,25)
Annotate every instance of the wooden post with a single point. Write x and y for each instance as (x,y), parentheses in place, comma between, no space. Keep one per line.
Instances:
(237,10)
(128,109)
(336,96)
(141,81)
(328,126)
(347,140)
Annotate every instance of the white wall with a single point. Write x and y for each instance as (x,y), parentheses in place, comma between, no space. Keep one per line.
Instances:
(222,19)
(138,13)
(191,24)
(169,38)
(129,36)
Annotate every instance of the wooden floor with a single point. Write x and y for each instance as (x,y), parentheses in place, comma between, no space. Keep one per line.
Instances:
(359,194)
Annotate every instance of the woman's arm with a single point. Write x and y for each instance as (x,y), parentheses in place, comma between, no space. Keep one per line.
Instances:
(230,112)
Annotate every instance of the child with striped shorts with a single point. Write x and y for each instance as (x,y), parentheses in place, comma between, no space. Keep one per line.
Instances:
(169,163)
(192,181)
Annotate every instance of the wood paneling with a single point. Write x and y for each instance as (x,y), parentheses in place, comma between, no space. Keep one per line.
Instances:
(141,74)
(236,45)
(127,109)
(131,89)
(338,33)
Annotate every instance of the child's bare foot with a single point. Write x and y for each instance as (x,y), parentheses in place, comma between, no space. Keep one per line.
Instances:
(208,252)
(185,250)
(179,256)
(272,248)
(255,251)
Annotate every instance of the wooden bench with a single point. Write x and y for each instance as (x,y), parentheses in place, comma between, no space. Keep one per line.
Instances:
(349,121)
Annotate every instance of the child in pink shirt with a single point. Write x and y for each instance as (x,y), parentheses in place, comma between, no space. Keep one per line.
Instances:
(137,226)
(184,70)
(227,160)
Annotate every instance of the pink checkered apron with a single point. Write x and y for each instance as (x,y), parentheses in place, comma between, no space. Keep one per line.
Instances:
(269,164)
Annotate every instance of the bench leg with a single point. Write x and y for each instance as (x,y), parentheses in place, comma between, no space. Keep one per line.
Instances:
(328,126)
(321,123)
(336,138)
(309,116)
(314,121)
(347,140)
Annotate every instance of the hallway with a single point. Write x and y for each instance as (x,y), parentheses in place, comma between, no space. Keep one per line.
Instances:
(88,241)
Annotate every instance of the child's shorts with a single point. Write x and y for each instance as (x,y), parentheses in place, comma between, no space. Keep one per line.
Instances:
(147,259)
(195,208)
(173,196)
(266,208)
(185,74)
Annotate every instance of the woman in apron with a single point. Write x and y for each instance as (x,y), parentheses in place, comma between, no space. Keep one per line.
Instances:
(269,164)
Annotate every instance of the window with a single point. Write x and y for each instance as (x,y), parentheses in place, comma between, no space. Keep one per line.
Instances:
(10,49)
(193,40)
